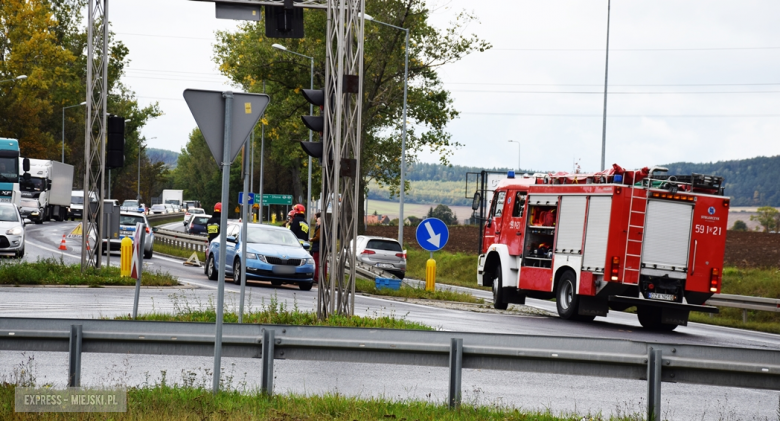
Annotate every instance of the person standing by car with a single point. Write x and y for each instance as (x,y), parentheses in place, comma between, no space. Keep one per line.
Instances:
(315,247)
(298,225)
(212,225)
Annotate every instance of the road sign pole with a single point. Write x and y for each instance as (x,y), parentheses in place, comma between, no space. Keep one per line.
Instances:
(246,215)
(222,239)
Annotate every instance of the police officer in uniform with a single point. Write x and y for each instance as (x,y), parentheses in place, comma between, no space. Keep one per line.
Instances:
(213,223)
(298,225)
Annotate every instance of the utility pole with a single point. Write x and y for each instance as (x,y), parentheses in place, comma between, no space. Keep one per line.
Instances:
(606,74)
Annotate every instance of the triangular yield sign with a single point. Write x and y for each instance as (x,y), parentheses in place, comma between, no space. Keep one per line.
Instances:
(208,108)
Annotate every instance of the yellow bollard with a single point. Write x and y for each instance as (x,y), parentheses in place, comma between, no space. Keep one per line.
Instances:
(255,217)
(430,275)
(273,218)
(126,251)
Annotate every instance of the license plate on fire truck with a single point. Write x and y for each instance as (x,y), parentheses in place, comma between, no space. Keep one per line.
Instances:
(659,296)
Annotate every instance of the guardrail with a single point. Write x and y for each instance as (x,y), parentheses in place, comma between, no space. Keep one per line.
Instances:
(611,358)
(745,303)
(181,240)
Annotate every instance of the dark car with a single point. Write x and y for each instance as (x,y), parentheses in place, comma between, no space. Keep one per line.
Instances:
(198,225)
(30,209)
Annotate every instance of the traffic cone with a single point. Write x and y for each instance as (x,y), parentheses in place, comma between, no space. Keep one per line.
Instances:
(62,243)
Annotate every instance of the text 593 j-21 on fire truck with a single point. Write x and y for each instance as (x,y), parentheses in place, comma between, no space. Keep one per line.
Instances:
(609,240)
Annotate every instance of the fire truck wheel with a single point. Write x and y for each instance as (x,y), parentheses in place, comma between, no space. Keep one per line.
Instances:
(650,319)
(498,297)
(567,299)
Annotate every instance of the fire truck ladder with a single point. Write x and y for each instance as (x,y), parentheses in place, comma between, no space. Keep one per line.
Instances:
(640,214)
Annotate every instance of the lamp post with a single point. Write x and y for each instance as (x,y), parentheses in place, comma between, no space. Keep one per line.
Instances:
(63,126)
(311,111)
(403,136)
(518,153)
(606,74)
(138,193)
(22,77)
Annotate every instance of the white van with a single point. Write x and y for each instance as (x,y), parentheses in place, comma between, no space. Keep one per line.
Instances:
(76,209)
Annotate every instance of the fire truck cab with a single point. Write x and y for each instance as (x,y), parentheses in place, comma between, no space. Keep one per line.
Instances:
(610,240)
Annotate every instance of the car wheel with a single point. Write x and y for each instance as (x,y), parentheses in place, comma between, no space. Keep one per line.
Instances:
(149,254)
(20,253)
(237,272)
(567,300)
(211,271)
(305,286)
(498,297)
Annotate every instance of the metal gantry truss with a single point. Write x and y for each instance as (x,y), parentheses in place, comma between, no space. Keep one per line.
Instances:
(342,138)
(309,4)
(95,133)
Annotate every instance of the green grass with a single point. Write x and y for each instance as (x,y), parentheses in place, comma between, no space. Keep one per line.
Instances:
(186,309)
(406,291)
(451,268)
(163,401)
(55,272)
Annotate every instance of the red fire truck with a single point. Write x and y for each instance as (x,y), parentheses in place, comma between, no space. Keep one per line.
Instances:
(610,240)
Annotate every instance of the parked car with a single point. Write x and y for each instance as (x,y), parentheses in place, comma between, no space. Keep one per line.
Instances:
(191,212)
(197,225)
(273,254)
(169,208)
(382,253)
(11,230)
(127,221)
(31,209)
(158,210)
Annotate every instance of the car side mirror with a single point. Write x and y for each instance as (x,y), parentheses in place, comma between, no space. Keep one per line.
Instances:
(306,245)
(477,201)
(489,222)
(232,239)
(26,164)
(155,229)
(27,221)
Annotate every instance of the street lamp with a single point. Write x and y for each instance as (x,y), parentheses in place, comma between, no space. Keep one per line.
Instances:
(22,77)
(518,153)
(311,112)
(403,138)
(63,125)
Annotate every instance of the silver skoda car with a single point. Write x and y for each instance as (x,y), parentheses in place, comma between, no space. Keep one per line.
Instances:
(11,231)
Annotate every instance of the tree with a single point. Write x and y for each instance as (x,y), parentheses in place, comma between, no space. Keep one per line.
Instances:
(739,225)
(414,221)
(444,213)
(767,217)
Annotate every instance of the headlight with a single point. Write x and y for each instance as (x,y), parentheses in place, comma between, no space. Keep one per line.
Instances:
(307,262)
(34,213)
(261,258)
(14,231)
(251,256)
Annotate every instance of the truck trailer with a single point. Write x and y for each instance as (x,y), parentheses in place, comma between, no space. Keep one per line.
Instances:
(50,182)
(9,171)
(609,240)
(173,197)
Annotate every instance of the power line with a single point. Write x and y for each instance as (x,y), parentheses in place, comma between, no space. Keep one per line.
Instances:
(601,50)
(626,115)
(617,93)
(612,85)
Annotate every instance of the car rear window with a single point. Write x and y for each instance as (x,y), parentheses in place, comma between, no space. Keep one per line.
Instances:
(384,245)
(158,207)
(200,220)
(197,211)
(130,220)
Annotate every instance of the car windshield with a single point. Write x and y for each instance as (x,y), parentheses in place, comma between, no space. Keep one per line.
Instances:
(200,220)
(130,204)
(77,200)
(8,214)
(34,184)
(197,211)
(29,203)
(158,207)
(271,236)
(131,220)
(384,245)
(9,169)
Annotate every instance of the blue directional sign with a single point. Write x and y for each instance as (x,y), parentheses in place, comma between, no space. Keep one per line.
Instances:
(251,198)
(432,234)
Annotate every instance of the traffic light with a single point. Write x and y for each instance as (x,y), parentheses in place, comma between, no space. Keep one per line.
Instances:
(314,123)
(115,149)
(285,21)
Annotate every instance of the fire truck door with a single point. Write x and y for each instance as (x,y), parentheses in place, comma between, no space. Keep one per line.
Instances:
(514,222)
(492,227)
(500,216)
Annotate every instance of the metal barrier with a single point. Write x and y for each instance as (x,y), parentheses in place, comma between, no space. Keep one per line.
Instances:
(612,358)
(181,240)
(745,303)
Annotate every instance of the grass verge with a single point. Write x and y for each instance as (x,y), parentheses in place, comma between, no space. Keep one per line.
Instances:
(186,309)
(406,291)
(451,268)
(173,218)
(55,272)
(172,402)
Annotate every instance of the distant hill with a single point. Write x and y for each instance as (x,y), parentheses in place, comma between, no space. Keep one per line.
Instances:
(749,182)
(170,158)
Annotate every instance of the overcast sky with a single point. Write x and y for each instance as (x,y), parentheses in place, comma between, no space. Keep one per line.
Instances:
(695,80)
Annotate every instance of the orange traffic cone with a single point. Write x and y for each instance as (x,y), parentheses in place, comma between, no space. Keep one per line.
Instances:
(62,243)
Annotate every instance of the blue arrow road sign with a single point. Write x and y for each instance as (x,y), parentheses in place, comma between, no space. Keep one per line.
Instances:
(251,198)
(432,234)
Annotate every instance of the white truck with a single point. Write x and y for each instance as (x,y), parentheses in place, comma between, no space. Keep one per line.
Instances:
(50,182)
(173,197)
